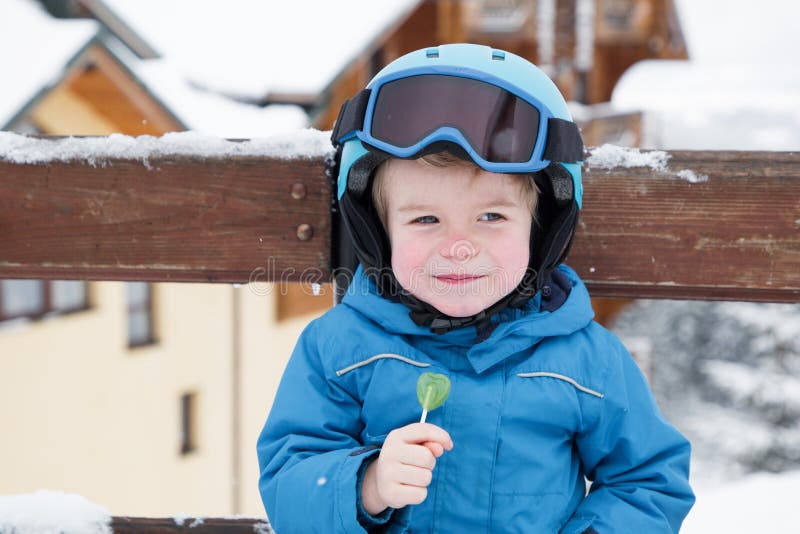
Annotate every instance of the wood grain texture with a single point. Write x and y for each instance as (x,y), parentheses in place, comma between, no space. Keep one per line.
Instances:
(643,232)
(735,235)
(172,219)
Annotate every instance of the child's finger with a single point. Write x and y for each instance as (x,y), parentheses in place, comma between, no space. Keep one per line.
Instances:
(417,455)
(422,432)
(435,447)
(410,475)
(405,495)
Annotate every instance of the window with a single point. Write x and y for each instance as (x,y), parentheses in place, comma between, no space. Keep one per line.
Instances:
(140,314)
(33,299)
(188,443)
(68,295)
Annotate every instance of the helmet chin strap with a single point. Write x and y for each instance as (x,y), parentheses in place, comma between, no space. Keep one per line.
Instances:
(423,314)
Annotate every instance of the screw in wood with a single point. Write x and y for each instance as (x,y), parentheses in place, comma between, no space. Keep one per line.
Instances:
(304,232)
(298,191)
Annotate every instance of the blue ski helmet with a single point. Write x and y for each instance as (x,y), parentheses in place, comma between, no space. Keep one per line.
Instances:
(487,106)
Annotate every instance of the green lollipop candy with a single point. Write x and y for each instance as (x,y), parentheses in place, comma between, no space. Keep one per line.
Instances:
(432,390)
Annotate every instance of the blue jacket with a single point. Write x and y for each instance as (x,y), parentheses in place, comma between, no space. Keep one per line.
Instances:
(548,398)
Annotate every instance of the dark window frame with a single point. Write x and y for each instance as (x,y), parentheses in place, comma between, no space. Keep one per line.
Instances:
(48,308)
(147,307)
(188,430)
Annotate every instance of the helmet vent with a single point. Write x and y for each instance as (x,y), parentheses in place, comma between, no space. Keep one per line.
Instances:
(498,55)
(432,53)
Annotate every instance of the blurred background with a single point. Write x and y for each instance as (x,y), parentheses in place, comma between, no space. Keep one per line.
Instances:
(148,398)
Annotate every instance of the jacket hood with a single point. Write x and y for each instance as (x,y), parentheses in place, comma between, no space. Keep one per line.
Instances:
(511,330)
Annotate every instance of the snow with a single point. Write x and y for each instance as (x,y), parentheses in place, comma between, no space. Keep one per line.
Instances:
(211,113)
(771,318)
(739,91)
(743,386)
(608,156)
(692,177)
(308,143)
(180,520)
(52,512)
(37,68)
(32,67)
(727,375)
(254,48)
(757,503)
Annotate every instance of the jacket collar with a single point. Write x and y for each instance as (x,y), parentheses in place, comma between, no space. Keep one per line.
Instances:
(560,310)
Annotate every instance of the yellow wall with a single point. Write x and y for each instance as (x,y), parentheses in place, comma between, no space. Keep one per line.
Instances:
(82,413)
(265,353)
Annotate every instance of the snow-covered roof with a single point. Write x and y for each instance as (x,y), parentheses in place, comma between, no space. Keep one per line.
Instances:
(211,113)
(34,52)
(37,50)
(253,48)
(741,89)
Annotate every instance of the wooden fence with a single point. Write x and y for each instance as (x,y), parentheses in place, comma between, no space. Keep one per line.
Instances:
(711,225)
(702,225)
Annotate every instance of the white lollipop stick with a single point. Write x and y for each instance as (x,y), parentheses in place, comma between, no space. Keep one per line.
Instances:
(427,400)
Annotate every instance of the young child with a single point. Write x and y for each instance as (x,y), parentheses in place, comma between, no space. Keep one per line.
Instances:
(459,183)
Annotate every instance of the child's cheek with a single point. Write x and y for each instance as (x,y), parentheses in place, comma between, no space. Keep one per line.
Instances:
(408,262)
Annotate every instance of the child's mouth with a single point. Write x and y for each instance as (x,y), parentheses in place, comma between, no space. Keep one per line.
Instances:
(457,278)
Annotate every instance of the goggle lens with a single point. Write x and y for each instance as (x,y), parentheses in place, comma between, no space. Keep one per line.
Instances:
(499,126)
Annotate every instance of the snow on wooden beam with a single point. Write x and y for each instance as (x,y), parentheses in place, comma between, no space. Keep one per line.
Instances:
(190,210)
(701,225)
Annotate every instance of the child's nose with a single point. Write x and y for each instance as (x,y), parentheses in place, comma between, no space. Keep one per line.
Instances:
(460,250)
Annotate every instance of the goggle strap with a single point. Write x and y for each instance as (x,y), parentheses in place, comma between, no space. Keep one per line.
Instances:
(351,116)
(564,141)
(362,170)
(561,182)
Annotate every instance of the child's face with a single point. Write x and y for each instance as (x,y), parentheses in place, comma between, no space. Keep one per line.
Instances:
(460,236)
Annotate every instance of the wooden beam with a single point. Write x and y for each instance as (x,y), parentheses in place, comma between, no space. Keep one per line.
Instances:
(733,235)
(171,219)
(193,525)
(643,232)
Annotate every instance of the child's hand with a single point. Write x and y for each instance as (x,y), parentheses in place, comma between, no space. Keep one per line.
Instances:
(404,468)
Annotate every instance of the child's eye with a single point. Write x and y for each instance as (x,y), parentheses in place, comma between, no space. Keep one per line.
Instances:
(491,217)
(426,219)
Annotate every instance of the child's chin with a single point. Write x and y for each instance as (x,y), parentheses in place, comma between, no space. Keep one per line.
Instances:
(459,309)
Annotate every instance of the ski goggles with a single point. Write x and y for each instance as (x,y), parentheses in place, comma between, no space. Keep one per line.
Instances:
(501,130)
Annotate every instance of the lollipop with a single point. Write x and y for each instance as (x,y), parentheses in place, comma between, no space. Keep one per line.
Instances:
(432,390)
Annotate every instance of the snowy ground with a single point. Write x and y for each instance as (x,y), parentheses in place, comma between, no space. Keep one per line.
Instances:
(757,503)
(727,374)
